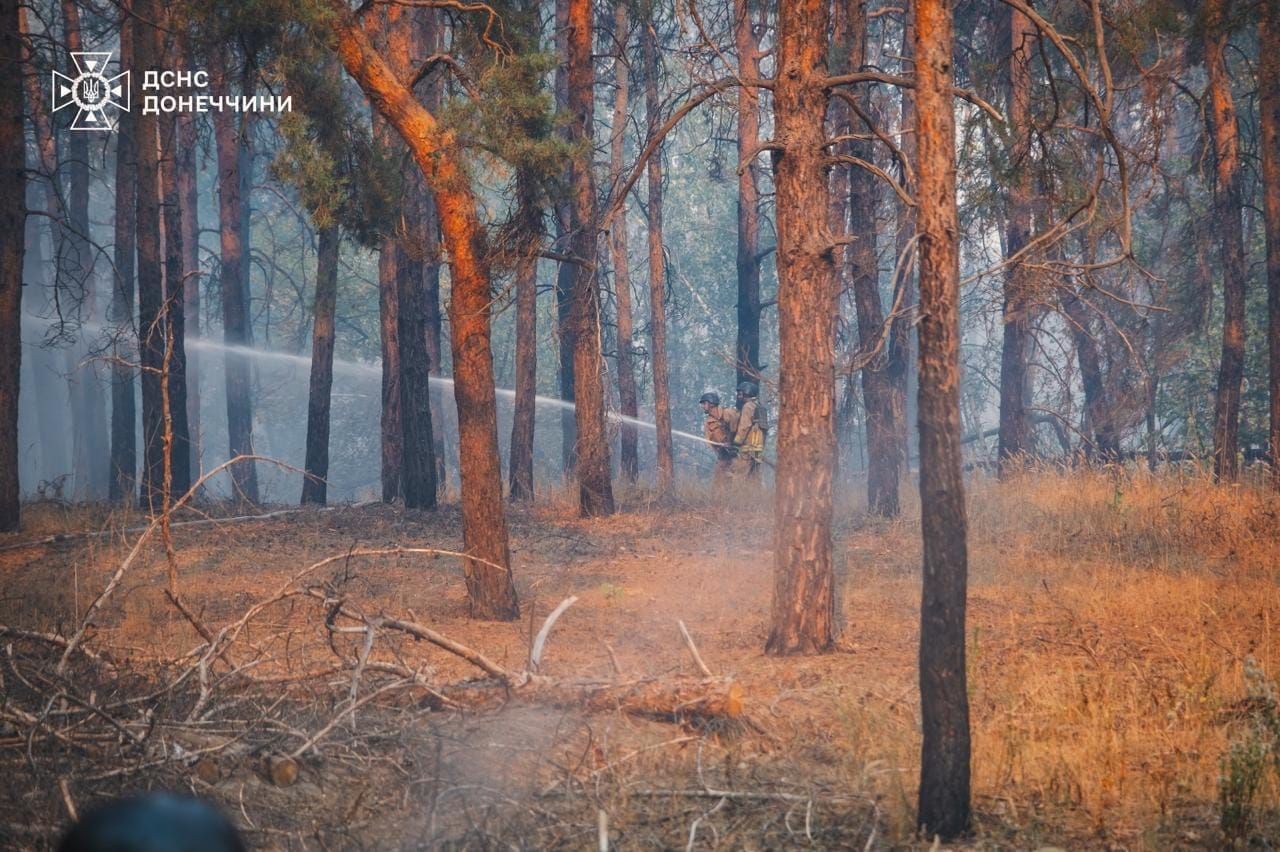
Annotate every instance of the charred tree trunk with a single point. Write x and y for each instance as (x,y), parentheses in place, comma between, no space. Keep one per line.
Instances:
(803,610)
(235,164)
(628,455)
(490,586)
(520,462)
(595,490)
(657,260)
(944,806)
(1015,427)
(124,449)
(1269,83)
(748,47)
(1228,209)
(314,485)
(13,214)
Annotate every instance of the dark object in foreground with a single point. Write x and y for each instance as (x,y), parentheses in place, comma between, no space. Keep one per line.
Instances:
(160,822)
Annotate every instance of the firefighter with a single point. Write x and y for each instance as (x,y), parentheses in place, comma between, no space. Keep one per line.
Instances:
(718,428)
(749,432)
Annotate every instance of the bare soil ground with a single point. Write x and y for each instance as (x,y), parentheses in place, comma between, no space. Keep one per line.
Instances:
(1112,619)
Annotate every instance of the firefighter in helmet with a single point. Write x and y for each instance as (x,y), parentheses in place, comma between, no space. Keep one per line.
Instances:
(718,428)
(749,431)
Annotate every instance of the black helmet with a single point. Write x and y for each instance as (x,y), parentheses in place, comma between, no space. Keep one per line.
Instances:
(748,389)
(711,397)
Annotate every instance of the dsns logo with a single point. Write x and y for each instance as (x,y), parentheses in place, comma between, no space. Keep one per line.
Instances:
(91,91)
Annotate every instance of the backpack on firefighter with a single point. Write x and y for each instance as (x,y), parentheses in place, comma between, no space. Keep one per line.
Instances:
(756,426)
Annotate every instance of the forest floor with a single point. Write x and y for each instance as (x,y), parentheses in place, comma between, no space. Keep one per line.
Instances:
(1112,618)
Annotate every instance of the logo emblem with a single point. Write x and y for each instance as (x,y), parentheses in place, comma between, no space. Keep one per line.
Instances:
(91,91)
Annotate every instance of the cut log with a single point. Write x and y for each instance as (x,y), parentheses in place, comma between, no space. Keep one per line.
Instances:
(693,703)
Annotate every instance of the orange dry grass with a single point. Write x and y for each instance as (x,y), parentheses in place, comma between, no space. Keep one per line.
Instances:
(1110,617)
(1128,606)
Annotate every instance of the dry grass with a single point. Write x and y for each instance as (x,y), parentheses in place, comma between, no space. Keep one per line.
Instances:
(1112,615)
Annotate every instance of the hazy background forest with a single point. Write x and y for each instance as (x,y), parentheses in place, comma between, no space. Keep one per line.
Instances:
(359,349)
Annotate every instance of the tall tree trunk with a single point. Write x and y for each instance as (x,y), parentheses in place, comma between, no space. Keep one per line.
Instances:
(235,166)
(124,450)
(151,318)
(628,456)
(1269,84)
(748,47)
(175,308)
(314,485)
(50,381)
(803,611)
(392,454)
(490,586)
(595,489)
(189,207)
(567,271)
(418,469)
(522,423)
(1228,209)
(884,441)
(405,36)
(1015,439)
(657,259)
(1106,443)
(902,333)
(13,213)
(944,807)
(89,427)
(432,37)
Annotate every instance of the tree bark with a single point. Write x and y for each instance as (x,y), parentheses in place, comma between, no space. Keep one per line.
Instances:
(520,462)
(657,260)
(392,454)
(902,333)
(314,485)
(884,441)
(944,803)
(1269,85)
(418,470)
(567,271)
(432,38)
(1015,439)
(748,261)
(490,586)
(13,213)
(189,209)
(1228,209)
(803,609)
(595,489)
(151,317)
(175,308)
(124,449)
(235,165)
(628,456)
